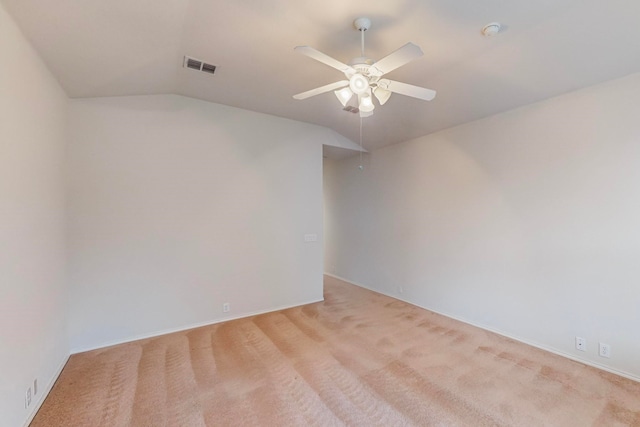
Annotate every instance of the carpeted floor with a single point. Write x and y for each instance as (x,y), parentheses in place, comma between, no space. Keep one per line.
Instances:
(359,358)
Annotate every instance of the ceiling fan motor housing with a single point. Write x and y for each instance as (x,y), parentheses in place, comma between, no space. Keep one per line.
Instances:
(361,64)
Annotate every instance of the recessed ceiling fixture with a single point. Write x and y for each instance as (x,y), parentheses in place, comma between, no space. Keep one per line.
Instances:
(491,29)
(363,75)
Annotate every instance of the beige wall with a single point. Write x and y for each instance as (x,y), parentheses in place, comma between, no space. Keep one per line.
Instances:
(527,222)
(33,293)
(179,205)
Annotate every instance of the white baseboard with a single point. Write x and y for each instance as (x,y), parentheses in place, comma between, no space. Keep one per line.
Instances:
(81,349)
(504,334)
(45,392)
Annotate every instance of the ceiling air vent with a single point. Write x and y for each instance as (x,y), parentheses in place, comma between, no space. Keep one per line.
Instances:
(208,68)
(351,109)
(196,64)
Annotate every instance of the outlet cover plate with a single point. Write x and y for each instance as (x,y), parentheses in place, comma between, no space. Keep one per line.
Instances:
(605,350)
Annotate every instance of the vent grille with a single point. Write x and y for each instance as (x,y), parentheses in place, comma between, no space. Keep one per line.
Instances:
(351,109)
(196,64)
(208,68)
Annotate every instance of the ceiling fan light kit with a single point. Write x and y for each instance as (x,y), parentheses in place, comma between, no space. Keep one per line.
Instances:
(364,75)
(381,94)
(358,84)
(344,95)
(366,103)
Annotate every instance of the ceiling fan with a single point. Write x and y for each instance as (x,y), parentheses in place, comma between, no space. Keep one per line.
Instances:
(364,76)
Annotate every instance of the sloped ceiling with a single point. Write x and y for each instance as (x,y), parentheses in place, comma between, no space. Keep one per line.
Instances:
(130,47)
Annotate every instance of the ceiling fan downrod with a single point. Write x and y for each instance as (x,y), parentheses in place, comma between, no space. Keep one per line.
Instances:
(362,25)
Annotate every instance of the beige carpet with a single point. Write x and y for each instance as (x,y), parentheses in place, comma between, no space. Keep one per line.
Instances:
(359,358)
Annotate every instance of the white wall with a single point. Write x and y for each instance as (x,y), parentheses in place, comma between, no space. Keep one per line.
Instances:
(527,222)
(178,205)
(33,294)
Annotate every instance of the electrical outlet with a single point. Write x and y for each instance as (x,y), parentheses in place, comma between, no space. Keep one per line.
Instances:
(226,307)
(27,398)
(605,350)
(581,344)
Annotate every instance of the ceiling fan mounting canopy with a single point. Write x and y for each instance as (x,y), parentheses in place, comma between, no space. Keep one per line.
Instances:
(362,23)
(363,75)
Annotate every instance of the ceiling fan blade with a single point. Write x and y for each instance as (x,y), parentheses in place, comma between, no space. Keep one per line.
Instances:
(325,59)
(395,59)
(322,89)
(407,89)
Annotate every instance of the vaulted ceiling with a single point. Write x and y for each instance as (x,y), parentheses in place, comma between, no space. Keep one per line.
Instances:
(131,47)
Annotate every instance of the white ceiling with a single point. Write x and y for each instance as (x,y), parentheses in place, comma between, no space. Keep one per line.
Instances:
(131,47)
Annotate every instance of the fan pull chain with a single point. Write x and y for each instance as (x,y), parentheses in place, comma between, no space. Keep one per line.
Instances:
(361,167)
